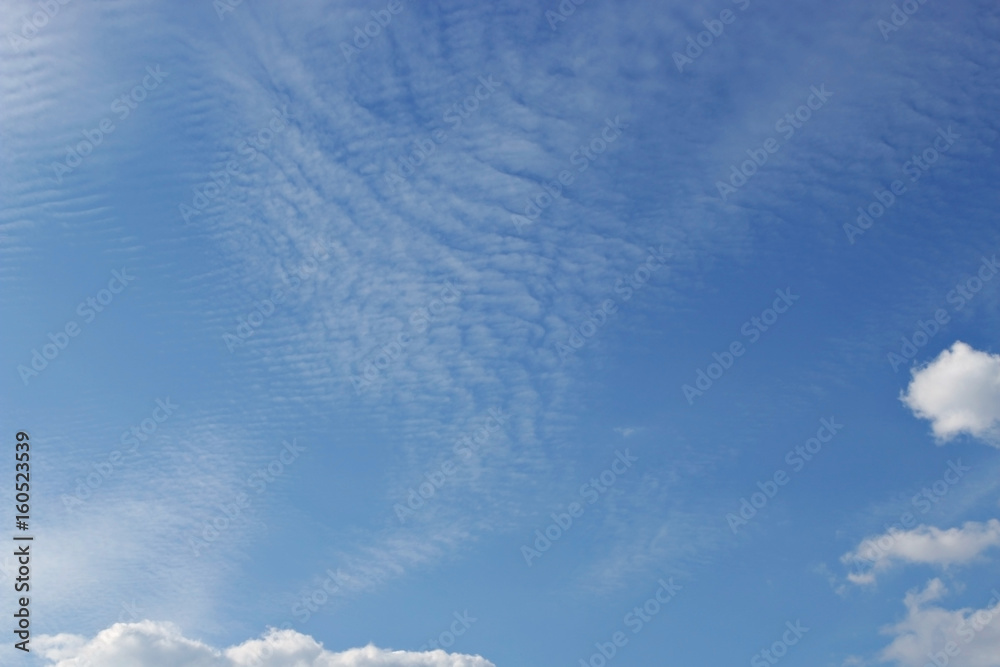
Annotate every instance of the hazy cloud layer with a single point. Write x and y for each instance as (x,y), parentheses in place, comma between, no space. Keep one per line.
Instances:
(925,545)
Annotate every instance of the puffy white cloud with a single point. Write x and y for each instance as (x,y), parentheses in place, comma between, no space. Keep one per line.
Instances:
(959,392)
(924,544)
(931,634)
(157,644)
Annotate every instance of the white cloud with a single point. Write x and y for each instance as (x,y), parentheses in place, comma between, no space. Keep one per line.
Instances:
(932,634)
(924,544)
(156,644)
(959,392)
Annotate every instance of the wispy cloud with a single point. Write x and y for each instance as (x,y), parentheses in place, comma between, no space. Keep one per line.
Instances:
(927,545)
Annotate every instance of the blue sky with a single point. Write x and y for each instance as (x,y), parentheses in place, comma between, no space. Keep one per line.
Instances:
(496,328)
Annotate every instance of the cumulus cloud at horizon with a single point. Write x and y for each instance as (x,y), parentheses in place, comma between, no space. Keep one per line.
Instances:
(162,644)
